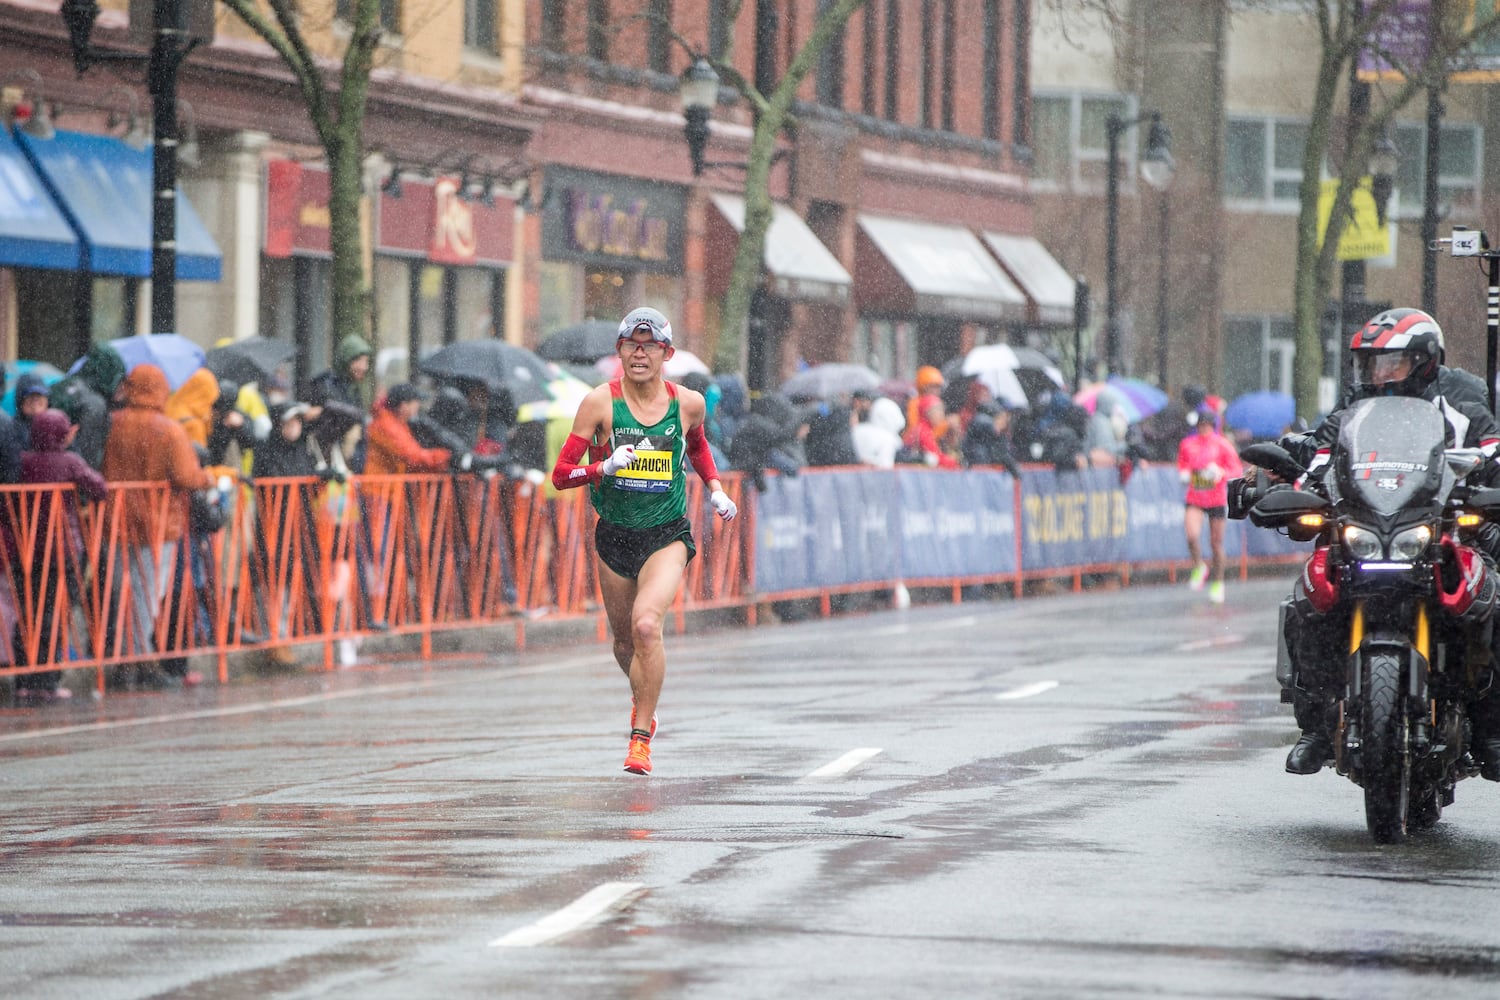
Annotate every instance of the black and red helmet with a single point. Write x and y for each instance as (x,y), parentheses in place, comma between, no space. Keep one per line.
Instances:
(1397,354)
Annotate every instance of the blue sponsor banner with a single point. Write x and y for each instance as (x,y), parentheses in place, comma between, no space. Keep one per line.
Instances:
(1072,518)
(1155,498)
(864,533)
(824,529)
(956,524)
(831,528)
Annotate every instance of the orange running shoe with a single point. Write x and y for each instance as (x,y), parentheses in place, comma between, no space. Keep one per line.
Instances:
(638,760)
(632,719)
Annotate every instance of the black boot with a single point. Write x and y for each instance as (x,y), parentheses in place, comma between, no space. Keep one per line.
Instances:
(1312,751)
(1487,753)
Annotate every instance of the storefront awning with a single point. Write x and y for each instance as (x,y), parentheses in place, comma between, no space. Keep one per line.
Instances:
(1047,284)
(938,270)
(104,188)
(801,267)
(33,233)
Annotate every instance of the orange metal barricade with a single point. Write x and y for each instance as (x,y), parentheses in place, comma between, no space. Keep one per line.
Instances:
(304,561)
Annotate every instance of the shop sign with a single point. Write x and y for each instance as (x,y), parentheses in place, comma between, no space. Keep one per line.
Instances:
(620,222)
(297,221)
(430,220)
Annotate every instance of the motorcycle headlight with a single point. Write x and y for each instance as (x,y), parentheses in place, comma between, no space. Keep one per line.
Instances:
(1409,545)
(1363,544)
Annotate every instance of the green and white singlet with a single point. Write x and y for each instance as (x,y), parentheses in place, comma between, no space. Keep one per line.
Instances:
(653,491)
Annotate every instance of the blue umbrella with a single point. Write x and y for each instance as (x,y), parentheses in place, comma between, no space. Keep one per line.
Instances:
(1265,414)
(15,369)
(173,353)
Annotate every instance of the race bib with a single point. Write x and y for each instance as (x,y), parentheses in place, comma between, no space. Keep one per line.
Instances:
(651,472)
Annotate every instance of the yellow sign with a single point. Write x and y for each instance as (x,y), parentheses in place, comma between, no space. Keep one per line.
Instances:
(1364,236)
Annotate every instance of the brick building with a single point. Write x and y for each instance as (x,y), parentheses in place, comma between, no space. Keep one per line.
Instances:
(527,170)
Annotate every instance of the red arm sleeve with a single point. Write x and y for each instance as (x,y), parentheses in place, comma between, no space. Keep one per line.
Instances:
(699,454)
(567,473)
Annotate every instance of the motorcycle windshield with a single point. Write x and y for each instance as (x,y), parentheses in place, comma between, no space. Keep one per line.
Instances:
(1390,453)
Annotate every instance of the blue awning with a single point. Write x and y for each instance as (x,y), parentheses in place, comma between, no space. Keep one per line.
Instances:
(33,233)
(104,188)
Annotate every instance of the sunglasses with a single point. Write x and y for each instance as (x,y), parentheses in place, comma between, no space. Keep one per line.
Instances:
(630,346)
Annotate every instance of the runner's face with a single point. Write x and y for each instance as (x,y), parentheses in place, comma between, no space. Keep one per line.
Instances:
(641,357)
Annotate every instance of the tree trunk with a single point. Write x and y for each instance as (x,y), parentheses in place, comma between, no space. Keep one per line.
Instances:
(748,258)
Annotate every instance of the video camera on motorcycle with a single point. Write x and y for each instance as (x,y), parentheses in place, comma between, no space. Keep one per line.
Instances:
(1274,458)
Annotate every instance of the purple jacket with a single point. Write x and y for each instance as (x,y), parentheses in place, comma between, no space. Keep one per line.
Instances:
(48,461)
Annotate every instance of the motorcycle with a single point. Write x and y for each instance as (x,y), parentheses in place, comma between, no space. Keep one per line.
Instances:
(1394,525)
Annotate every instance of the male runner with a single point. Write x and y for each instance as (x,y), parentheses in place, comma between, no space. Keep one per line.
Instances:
(636,429)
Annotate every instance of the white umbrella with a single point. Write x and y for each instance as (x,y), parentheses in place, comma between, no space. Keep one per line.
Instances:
(995,365)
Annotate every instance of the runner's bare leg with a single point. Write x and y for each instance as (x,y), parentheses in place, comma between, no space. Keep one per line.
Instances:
(656,589)
(1192,526)
(619,598)
(1216,543)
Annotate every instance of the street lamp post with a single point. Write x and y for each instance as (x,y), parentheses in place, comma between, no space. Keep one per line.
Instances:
(174,32)
(1156,170)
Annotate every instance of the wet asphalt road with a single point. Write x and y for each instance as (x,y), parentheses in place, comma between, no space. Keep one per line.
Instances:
(1073,796)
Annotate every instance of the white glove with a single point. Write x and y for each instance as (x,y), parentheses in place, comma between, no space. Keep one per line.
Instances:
(1213,473)
(225,485)
(623,458)
(723,506)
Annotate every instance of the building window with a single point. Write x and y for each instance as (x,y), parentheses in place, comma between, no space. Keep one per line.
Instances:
(869,76)
(830,82)
(1263,161)
(390,13)
(1460,161)
(1070,141)
(1020,126)
(479,26)
(927,64)
(598,30)
(991,89)
(659,36)
(1258,354)
(892,59)
(555,25)
(950,64)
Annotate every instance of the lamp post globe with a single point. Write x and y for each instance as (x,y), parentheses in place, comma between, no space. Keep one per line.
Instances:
(699,92)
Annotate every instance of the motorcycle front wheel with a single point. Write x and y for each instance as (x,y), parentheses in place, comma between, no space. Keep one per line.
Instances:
(1386,752)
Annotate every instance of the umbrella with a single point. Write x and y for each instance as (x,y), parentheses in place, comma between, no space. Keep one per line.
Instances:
(1264,414)
(827,381)
(15,369)
(999,366)
(177,356)
(587,341)
(249,360)
(566,394)
(1136,399)
(501,366)
(679,364)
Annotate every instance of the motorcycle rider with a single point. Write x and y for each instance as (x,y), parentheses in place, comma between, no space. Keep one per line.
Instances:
(1398,353)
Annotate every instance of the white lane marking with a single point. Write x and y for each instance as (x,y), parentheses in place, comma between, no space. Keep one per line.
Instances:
(1026,691)
(1218,640)
(310,699)
(844,764)
(966,622)
(587,909)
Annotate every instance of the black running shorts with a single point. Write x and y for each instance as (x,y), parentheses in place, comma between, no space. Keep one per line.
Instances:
(625,550)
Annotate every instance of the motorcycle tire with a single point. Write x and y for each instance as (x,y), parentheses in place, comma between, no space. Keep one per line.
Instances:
(1386,754)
